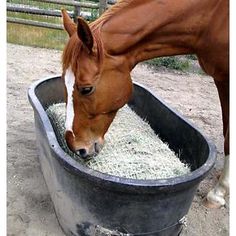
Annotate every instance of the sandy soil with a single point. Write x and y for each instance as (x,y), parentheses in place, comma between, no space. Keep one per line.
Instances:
(29,207)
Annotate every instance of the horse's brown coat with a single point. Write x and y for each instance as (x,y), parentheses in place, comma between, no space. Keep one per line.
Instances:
(133,31)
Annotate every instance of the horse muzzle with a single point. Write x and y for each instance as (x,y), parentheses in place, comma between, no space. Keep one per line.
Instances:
(88,152)
(84,149)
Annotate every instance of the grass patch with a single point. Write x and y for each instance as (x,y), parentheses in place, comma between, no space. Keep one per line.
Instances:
(35,36)
(183,63)
(169,62)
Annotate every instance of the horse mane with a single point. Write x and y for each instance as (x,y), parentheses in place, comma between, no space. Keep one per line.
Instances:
(74,45)
(109,13)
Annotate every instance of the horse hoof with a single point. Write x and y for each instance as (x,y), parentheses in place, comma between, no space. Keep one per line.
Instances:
(214,199)
(211,204)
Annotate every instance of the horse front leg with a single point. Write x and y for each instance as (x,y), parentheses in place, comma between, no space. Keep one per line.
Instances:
(216,197)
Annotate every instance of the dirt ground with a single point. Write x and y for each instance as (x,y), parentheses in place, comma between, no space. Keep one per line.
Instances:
(29,208)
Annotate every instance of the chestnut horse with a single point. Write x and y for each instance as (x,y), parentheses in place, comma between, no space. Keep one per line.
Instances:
(99,57)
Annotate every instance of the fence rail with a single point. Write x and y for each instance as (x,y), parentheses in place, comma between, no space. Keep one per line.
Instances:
(20,8)
(72,3)
(34,23)
(36,11)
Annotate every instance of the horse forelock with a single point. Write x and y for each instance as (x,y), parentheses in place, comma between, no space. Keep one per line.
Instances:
(71,53)
(72,50)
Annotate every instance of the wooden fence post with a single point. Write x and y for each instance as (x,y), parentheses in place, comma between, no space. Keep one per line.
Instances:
(77,10)
(102,6)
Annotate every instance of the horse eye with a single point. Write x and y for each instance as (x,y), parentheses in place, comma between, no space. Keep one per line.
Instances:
(86,90)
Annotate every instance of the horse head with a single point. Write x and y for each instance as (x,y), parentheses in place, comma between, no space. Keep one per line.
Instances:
(96,85)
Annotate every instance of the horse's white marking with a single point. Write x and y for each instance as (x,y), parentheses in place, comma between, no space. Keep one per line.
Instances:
(217,194)
(69,82)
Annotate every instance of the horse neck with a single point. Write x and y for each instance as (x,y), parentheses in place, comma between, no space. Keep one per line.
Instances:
(140,30)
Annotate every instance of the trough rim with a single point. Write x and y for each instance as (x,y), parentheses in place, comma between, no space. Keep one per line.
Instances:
(75,167)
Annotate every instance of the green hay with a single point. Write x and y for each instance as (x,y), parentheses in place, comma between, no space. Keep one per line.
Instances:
(131,150)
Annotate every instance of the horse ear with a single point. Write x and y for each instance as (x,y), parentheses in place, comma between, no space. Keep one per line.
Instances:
(85,34)
(68,23)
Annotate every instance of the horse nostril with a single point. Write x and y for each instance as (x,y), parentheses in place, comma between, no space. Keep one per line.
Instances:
(82,153)
(96,147)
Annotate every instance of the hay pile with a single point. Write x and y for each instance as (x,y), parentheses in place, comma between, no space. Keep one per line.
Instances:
(131,150)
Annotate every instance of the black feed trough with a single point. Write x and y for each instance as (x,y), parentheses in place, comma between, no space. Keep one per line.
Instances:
(90,203)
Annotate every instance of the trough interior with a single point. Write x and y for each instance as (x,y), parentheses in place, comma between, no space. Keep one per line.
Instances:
(184,139)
